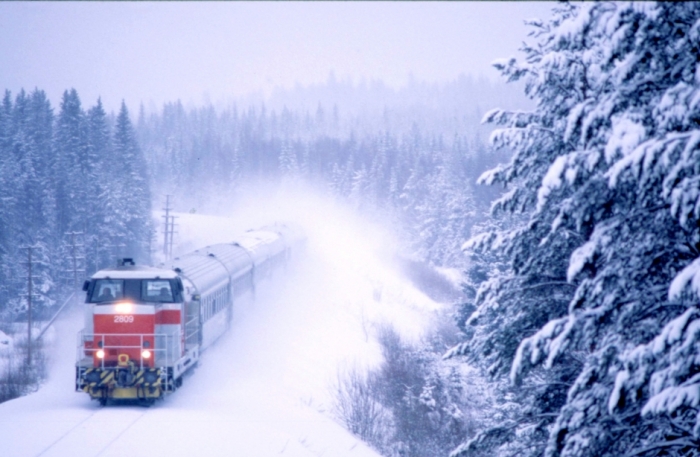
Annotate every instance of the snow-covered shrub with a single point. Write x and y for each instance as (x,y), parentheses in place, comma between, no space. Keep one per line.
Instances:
(357,408)
(413,404)
(17,377)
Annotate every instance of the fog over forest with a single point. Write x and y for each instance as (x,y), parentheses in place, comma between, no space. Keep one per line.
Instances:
(496,266)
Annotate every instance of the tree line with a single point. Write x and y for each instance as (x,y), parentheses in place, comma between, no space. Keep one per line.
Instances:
(73,186)
(423,180)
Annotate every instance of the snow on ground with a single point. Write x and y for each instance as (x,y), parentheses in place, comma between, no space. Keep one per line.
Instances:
(264,388)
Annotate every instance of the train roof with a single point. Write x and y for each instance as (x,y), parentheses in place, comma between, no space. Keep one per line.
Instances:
(134,272)
(206,267)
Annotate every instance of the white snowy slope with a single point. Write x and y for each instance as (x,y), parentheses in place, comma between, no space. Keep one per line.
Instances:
(263,389)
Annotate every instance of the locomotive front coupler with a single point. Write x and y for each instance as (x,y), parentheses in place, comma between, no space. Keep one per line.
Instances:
(125,372)
(125,377)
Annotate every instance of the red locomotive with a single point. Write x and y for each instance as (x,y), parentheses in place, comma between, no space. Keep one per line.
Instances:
(145,327)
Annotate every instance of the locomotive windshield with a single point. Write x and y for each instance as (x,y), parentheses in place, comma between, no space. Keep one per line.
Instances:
(144,290)
(156,290)
(107,290)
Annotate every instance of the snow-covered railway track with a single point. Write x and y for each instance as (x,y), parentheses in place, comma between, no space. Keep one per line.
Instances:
(60,438)
(104,427)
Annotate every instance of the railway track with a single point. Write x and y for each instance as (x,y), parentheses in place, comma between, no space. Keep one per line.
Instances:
(104,427)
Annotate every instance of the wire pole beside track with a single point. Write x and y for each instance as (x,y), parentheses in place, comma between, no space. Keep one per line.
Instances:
(169,229)
(29,306)
(167,226)
(30,293)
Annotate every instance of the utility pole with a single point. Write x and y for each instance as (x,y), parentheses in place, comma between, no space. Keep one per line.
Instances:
(172,236)
(30,293)
(76,259)
(29,306)
(76,248)
(169,231)
(167,224)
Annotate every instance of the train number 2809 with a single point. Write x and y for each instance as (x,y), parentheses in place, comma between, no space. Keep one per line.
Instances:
(123,319)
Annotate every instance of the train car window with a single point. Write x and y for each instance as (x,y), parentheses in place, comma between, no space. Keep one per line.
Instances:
(156,290)
(107,290)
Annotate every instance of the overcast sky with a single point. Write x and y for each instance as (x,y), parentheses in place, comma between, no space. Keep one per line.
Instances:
(157,52)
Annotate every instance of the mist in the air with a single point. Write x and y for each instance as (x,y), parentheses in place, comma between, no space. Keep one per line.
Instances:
(154,53)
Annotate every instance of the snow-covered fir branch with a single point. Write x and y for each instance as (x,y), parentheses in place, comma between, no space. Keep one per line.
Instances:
(605,172)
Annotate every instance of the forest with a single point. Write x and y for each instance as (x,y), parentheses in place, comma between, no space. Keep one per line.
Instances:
(73,189)
(568,197)
(389,159)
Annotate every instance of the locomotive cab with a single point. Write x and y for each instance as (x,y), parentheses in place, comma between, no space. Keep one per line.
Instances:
(133,344)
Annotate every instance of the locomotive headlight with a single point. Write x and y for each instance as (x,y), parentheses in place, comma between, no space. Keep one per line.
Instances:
(124,308)
(100,354)
(146,354)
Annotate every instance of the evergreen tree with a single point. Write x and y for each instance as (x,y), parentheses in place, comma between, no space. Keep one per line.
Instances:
(70,160)
(100,180)
(129,208)
(288,164)
(594,314)
(32,204)
(7,176)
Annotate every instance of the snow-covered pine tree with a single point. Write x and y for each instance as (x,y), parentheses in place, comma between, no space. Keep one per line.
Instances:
(7,181)
(602,238)
(305,166)
(37,202)
(347,174)
(70,149)
(359,187)
(130,207)
(234,168)
(412,198)
(41,126)
(288,163)
(393,190)
(10,230)
(100,179)
(171,169)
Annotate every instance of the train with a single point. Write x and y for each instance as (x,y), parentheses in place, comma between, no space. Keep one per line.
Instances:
(146,327)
